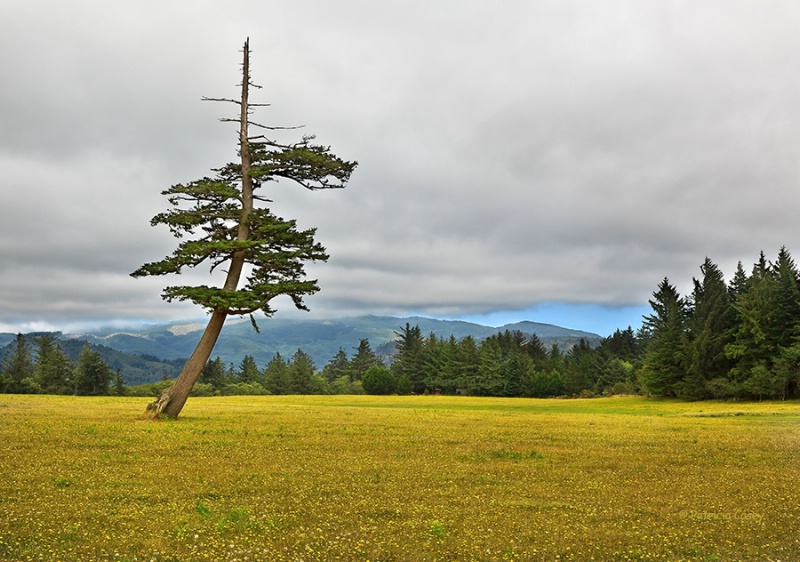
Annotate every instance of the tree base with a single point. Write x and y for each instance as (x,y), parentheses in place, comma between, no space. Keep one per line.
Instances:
(156,409)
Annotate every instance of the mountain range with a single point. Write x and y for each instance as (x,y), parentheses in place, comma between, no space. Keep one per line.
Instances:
(156,351)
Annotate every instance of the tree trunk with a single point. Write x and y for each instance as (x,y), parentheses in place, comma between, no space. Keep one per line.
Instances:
(170,402)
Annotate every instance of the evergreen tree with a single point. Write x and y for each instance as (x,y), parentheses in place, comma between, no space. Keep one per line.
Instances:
(362,360)
(773,330)
(762,383)
(555,357)
(408,359)
(738,283)
(337,367)
(616,376)
(436,364)
(622,344)
(536,351)
(342,385)
(542,384)
(489,381)
(754,347)
(710,328)
(222,222)
(616,362)
(18,367)
(378,380)
(664,359)
(248,372)
(92,374)
(440,359)
(465,365)
(579,369)
(787,300)
(516,367)
(301,371)
(276,376)
(787,371)
(214,374)
(53,369)
(119,384)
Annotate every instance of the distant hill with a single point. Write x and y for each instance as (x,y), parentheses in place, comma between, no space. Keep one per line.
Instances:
(152,352)
(135,368)
(321,339)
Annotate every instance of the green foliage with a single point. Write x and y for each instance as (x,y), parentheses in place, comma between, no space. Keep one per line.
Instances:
(363,359)
(710,329)
(219,223)
(18,368)
(248,372)
(92,375)
(408,359)
(378,380)
(242,389)
(735,341)
(276,376)
(213,374)
(53,371)
(301,373)
(664,360)
(337,367)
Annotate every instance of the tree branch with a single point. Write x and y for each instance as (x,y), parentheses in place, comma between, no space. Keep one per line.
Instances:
(260,126)
(237,102)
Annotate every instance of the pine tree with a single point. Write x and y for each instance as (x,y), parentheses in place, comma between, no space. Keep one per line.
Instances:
(53,369)
(276,375)
(18,367)
(436,360)
(362,360)
(301,371)
(776,376)
(214,374)
(622,344)
(517,366)
(118,382)
(441,363)
(466,363)
(664,360)
(579,368)
(754,348)
(408,359)
(92,374)
(710,328)
(536,351)
(248,372)
(738,283)
(337,367)
(489,381)
(223,225)
(787,300)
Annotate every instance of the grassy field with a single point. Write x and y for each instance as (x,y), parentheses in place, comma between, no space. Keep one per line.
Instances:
(399,478)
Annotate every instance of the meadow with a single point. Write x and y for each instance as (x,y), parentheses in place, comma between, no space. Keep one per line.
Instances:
(410,478)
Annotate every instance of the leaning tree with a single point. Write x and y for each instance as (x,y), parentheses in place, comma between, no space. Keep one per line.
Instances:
(222,221)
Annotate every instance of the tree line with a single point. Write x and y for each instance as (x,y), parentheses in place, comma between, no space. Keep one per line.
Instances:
(726,340)
(48,370)
(509,363)
(734,340)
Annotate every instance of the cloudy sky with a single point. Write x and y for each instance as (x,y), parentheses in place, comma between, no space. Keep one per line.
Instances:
(548,160)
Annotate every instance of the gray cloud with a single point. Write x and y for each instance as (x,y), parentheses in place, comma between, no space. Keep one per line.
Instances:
(510,154)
